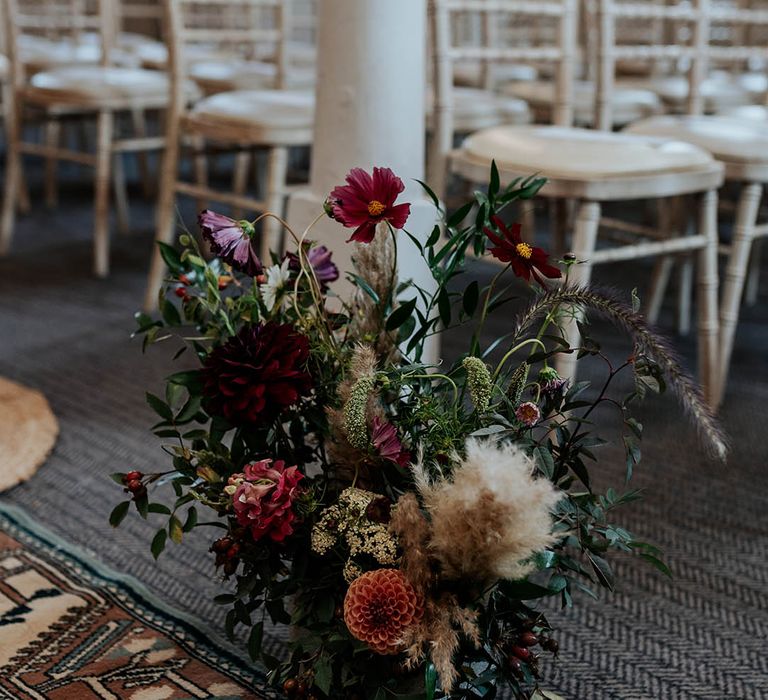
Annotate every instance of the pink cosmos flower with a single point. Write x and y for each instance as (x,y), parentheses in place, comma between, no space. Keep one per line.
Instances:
(387,444)
(366,201)
(231,240)
(264,498)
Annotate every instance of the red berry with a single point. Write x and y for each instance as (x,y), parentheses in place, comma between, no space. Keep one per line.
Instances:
(528,639)
(132,476)
(289,687)
(233,551)
(180,292)
(521,653)
(551,645)
(221,545)
(230,566)
(134,485)
(184,279)
(301,688)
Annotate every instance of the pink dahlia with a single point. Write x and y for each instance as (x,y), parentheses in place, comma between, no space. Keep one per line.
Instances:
(231,240)
(264,498)
(366,201)
(528,414)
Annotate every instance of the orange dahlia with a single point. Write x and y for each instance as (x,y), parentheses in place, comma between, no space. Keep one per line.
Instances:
(379,607)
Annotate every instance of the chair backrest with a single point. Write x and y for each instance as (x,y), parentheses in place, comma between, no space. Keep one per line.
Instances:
(247,29)
(71,23)
(684,45)
(460,32)
(738,37)
(141,17)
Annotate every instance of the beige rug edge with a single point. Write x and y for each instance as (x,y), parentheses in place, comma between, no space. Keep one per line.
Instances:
(28,432)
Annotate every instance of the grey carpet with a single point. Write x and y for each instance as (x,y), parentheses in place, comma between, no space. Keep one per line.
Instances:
(702,635)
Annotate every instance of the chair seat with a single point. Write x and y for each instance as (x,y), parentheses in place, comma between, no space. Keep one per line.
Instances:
(726,138)
(4,67)
(719,91)
(469,73)
(570,153)
(227,75)
(475,109)
(753,112)
(98,85)
(628,104)
(38,53)
(255,116)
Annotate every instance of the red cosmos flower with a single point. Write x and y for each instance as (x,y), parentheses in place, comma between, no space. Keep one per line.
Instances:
(365,201)
(263,501)
(526,260)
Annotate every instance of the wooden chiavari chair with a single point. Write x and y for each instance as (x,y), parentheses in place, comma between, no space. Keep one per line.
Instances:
(741,145)
(589,167)
(100,91)
(269,120)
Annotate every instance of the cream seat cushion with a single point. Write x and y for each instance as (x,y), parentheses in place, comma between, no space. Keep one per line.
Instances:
(569,153)
(469,73)
(755,112)
(96,84)
(248,110)
(475,109)
(726,138)
(628,104)
(719,92)
(225,75)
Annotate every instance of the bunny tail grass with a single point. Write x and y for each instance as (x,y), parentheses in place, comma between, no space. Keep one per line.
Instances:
(648,340)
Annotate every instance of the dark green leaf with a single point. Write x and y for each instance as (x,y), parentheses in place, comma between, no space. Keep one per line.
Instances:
(434,237)
(158,542)
(191,520)
(363,284)
(118,513)
(159,406)
(323,675)
(471,297)
(399,316)
(430,681)
(191,379)
(159,508)
(444,307)
(493,186)
(254,640)
(117,477)
(171,257)
(170,313)
(429,192)
(660,565)
(459,215)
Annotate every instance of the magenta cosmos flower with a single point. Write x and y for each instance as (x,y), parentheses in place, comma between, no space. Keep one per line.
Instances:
(319,258)
(231,240)
(526,260)
(367,200)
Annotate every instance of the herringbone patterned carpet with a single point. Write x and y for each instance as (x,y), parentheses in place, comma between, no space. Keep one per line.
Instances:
(703,635)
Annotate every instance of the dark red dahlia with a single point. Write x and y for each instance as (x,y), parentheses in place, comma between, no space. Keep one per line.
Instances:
(257,373)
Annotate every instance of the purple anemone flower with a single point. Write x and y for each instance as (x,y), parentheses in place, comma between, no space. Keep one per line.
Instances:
(320,259)
(232,241)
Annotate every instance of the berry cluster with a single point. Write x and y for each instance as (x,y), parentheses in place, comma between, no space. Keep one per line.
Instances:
(521,651)
(227,554)
(134,484)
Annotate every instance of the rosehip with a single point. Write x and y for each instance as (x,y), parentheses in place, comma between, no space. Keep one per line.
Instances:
(528,639)
(134,485)
(180,292)
(551,645)
(184,279)
(230,566)
(221,545)
(521,653)
(301,688)
(516,666)
(289,687)
(233,551)
(132,476)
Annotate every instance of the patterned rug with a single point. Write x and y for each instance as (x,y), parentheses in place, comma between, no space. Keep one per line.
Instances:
(72,630)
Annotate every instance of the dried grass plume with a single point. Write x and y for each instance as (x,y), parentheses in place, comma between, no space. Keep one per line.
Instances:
(491,516)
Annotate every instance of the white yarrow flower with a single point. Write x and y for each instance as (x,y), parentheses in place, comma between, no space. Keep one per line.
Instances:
(272,290)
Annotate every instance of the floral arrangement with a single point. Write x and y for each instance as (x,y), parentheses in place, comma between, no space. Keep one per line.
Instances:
(405,519)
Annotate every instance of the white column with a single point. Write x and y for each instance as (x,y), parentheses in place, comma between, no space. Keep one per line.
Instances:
(370,111)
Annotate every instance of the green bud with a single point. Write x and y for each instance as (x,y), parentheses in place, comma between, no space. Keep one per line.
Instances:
(355,419)
(517,383)
(479,382)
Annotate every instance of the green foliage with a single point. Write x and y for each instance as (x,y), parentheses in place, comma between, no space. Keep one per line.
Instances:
(205,303)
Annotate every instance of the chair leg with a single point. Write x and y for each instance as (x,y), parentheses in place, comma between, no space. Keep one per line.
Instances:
(240,179)
(584,240)
(708,321)
(735,272)
(684,293)
(52,140)
(200,165)
(12,182)
(277,171)
(121,194)
(558,211)
(661,273)
(164,215)
(104,127)
(139,125)
(753,275)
